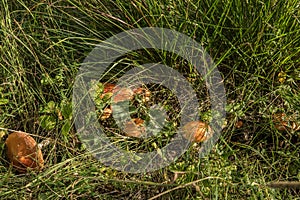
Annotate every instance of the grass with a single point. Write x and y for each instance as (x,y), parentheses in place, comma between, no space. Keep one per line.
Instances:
(255,44)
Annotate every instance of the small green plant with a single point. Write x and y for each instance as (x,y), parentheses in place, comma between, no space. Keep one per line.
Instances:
(57,115)
(3,99)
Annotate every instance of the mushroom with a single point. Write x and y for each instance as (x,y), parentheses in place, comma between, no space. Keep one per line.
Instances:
(239,124)
(119,94)
(106,113)
(285,123)
(123,94)
(134,128)
(144,92)
(23,152)
(197,131)
(108,88)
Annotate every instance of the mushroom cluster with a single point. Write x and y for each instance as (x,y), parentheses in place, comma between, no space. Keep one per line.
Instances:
(119,94)
(195,131)
(23,152)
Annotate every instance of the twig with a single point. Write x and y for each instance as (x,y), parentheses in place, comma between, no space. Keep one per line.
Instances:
(10,130)
(285,184)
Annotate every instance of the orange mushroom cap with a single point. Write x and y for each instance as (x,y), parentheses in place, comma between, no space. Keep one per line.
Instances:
(134,128)
(197,131)
(239,124)
(23,152)
(144,92)
(106,113)
(121,94)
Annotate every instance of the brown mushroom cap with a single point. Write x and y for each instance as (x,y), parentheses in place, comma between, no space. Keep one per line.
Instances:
(120,94)
(197,131)
(106,113)
(124,94)
(108,90)
(239,124)
(108,87)
(144,92)
(134,128)
(23,152)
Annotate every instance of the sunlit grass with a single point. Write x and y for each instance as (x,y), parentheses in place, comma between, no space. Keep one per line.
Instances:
(255,44)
